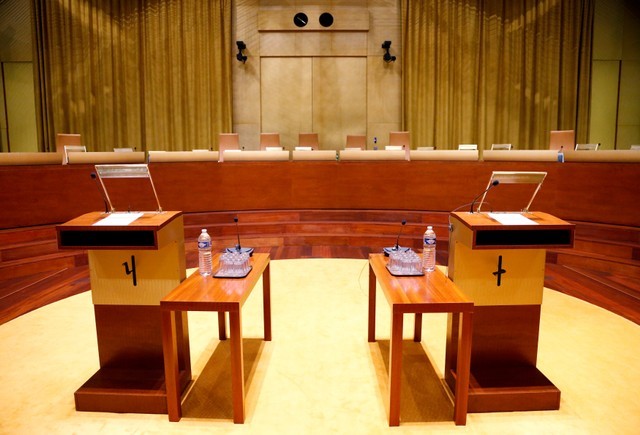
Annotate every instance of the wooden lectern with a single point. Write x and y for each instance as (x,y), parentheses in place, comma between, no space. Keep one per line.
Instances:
(132,267)
(500,267)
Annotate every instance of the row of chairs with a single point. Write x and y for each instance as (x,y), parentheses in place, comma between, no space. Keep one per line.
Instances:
(310,141)
(559,139)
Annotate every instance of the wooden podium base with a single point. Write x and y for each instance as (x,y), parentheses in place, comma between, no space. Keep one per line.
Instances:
(504,376)
(131,377)
(510,388)
(123,390)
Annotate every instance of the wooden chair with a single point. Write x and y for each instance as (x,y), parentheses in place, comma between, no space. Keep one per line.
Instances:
(468,147)
(587,146)
(307,141)
(501,146)
(356,141)
(270,142)
(562,139)
(400,138)
(226,142)
(123,150)
(63,139)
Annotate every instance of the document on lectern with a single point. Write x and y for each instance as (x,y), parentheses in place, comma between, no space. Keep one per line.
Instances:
(118,219)
(512,219)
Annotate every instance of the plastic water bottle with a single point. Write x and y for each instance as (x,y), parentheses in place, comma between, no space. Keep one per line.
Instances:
(429,250)
(561,155)
(204,253)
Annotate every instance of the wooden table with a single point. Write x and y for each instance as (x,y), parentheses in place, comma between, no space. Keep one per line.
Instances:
(432,293)
(198,293)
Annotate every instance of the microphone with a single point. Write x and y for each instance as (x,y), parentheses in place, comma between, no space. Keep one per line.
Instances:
(238,247)
(397,247)
(104,199)
(493,184)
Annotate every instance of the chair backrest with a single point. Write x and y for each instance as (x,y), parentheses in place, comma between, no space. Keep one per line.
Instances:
(72,149)
(400,138)
(426,148)
(635,147)
(358,141)
(562,139)
(394,147)
(123,150)
(468,147)
(227,142)
(587,146)
(501,146)
(63,139)
(306,140)
(270,141)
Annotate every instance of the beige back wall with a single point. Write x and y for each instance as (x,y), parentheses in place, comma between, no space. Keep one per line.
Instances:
(615,94)
(331,81)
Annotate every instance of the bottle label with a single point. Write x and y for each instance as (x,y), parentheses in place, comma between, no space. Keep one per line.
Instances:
(204,245)
(429,241)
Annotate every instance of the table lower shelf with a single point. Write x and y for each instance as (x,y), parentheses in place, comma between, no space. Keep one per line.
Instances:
(127,390)
(509,388)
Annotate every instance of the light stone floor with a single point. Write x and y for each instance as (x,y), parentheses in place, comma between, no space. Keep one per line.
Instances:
(319,375)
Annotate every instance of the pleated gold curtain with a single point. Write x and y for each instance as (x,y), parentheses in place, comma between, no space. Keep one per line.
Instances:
(149,74)
(490,71)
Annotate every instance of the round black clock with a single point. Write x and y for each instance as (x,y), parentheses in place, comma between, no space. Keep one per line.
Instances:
(326,19)
(300,19)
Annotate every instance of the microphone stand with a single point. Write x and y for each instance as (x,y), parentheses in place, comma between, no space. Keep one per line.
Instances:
(493,184)
(388,250)
(238,247)
(106,204)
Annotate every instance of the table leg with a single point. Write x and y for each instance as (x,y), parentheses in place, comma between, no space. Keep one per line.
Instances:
(395,367)
(171,375)
(266,302)
(463,368)
(222,325)
(417,329)
(237,365)
(372,305)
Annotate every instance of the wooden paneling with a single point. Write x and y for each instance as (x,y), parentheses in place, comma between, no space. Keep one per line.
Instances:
(359,30)
(287,98)
(34,280)
(588,192)
(313,44)
(339,99)
(344,18)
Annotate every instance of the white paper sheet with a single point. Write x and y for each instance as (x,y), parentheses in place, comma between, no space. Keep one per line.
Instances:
(512,219)
(118,219)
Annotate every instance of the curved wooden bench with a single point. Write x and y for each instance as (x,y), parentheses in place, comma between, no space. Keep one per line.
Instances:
(32,252)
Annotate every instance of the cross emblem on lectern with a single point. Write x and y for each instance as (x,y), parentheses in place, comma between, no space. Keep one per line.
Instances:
(498,273)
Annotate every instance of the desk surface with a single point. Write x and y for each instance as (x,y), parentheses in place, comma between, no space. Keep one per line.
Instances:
(148,221)
(206,293)
(431,293)
(479,221)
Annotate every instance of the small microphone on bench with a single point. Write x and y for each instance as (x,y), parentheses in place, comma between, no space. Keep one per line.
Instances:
(238,247)
(396,247)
